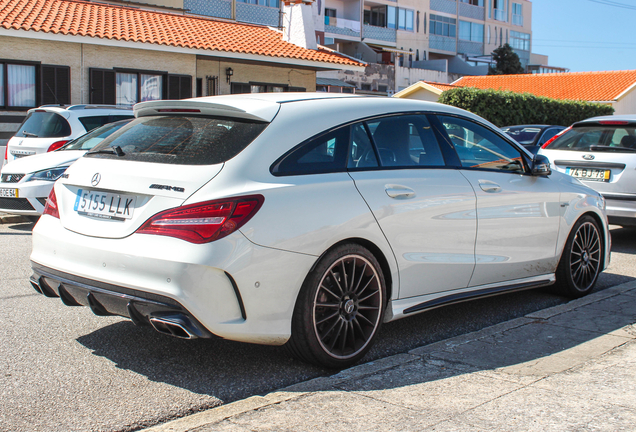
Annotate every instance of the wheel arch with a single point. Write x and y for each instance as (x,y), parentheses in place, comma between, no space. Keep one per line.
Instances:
(601,224)
(377,253)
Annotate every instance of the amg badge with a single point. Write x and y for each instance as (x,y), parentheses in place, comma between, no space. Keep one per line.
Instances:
(166,187)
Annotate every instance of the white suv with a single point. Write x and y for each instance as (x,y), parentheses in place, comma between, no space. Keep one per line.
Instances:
(48,128)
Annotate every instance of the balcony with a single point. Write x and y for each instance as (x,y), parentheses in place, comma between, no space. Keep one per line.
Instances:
(343,27)
(379,33)
(257,14)
(471,11)
(471,48)
(448,6)
(442,43)
(501,15)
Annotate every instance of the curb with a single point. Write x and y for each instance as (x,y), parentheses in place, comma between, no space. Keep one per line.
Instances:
(296,391)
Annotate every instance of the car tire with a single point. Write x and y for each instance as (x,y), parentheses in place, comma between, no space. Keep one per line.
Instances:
(340,308)
(581,260)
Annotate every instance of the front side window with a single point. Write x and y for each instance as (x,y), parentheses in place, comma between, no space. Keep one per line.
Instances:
(405,141)
(183,140)
(479,147)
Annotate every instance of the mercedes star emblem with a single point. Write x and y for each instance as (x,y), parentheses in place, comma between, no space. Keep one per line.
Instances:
(96,178)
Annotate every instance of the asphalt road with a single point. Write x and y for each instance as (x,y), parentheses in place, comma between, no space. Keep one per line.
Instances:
(64,369)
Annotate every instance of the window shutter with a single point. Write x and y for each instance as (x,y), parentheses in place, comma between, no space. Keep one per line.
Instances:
(102,85)
(55,85)
(179,86)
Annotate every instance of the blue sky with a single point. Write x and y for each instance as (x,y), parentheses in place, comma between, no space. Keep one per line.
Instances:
(585,35)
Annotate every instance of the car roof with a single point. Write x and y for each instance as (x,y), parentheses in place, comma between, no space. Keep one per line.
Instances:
(265,106)
(631,118)
(82,110)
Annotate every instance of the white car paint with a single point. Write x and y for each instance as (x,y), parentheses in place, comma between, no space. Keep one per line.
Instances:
(454,235)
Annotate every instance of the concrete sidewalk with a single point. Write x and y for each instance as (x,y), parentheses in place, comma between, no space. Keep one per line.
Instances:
(567,368)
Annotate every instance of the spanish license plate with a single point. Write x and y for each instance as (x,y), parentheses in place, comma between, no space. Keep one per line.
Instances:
(104,205)
(590,174)
(9,193)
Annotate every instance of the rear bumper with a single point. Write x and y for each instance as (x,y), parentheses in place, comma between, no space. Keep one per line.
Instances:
(621,208)
(105,299)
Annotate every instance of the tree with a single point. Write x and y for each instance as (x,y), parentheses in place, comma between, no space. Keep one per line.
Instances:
(507,62)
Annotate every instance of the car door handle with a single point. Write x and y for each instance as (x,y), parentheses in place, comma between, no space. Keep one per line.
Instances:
(399,192)
(488,186)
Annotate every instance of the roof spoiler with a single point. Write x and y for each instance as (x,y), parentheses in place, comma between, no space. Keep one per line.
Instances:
(249,109)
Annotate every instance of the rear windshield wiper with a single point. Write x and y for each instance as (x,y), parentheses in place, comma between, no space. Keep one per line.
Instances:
(611,149)
(29,134)
(116,150)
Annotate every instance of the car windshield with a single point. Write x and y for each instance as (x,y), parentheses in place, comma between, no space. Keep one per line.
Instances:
(185,140)
(44,124)
(586,138)
(91,139)
(522,134)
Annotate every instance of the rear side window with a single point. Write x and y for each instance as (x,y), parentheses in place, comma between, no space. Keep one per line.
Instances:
(91,139)
(323,154)
(93,122)
(183,140)
(44,124)
(602,137)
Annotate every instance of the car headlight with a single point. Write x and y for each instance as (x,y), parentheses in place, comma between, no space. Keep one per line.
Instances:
(51,174)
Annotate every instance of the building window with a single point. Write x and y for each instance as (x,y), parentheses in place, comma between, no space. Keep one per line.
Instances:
(501,10)
(443,26)
(237,88)
(470,31)
(270,3)
(405,19)
(376,16)
(391,17)
(330,13)
(517,14)
(126,87)
(520,41)
(18,85)
(474,2)
(55,84)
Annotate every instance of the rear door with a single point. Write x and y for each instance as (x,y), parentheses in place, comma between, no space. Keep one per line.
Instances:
(425,209)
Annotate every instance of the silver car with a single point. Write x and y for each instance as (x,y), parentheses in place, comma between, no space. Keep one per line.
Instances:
(601,153)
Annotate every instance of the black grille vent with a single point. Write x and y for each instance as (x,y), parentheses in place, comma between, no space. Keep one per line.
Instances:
(42,201)
(15,204)
(11,178)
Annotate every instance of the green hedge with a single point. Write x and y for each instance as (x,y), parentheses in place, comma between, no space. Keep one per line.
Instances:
(506,108)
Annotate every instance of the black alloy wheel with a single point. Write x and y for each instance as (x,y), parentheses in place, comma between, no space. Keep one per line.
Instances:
(340,308)
(582,259)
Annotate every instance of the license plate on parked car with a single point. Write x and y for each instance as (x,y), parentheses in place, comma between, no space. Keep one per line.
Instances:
(104,205)
(591,174)
(9,193)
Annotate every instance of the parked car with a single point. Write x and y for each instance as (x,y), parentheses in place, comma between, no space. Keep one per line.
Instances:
(532,137)
(25,183)
(48,128)
(601,152)
(308,220)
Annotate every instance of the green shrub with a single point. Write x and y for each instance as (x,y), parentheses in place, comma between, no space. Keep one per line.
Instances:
(506,108)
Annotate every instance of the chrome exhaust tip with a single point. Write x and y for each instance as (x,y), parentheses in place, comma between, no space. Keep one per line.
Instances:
(174,325)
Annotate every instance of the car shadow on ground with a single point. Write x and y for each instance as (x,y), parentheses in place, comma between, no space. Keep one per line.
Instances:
(23,228)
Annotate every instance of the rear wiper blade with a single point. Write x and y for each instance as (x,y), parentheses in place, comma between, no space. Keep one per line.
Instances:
(116,150)
(29,134)
(611,149)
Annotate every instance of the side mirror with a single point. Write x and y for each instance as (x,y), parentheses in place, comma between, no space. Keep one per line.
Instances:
(541,166)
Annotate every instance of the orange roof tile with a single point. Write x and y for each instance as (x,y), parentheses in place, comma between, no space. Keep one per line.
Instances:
(123,23)
(440,86)
(586,86)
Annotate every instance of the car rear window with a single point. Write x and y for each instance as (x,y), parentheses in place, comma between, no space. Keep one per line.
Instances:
(183,140)
(94,137)
(586,138)
(44,124)
(524,135)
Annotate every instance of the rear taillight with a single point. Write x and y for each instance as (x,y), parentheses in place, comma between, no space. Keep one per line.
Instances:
(56,145)
(6,153)
(204,222)
(548,142)
(51,205)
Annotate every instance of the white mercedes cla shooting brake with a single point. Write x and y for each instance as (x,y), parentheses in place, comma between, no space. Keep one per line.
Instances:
(308,220)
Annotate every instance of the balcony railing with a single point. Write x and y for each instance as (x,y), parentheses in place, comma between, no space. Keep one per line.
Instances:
(442,43)
(472,11)
(501,15)
(379,33)
(448,6)
(472,48)
(343,23)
